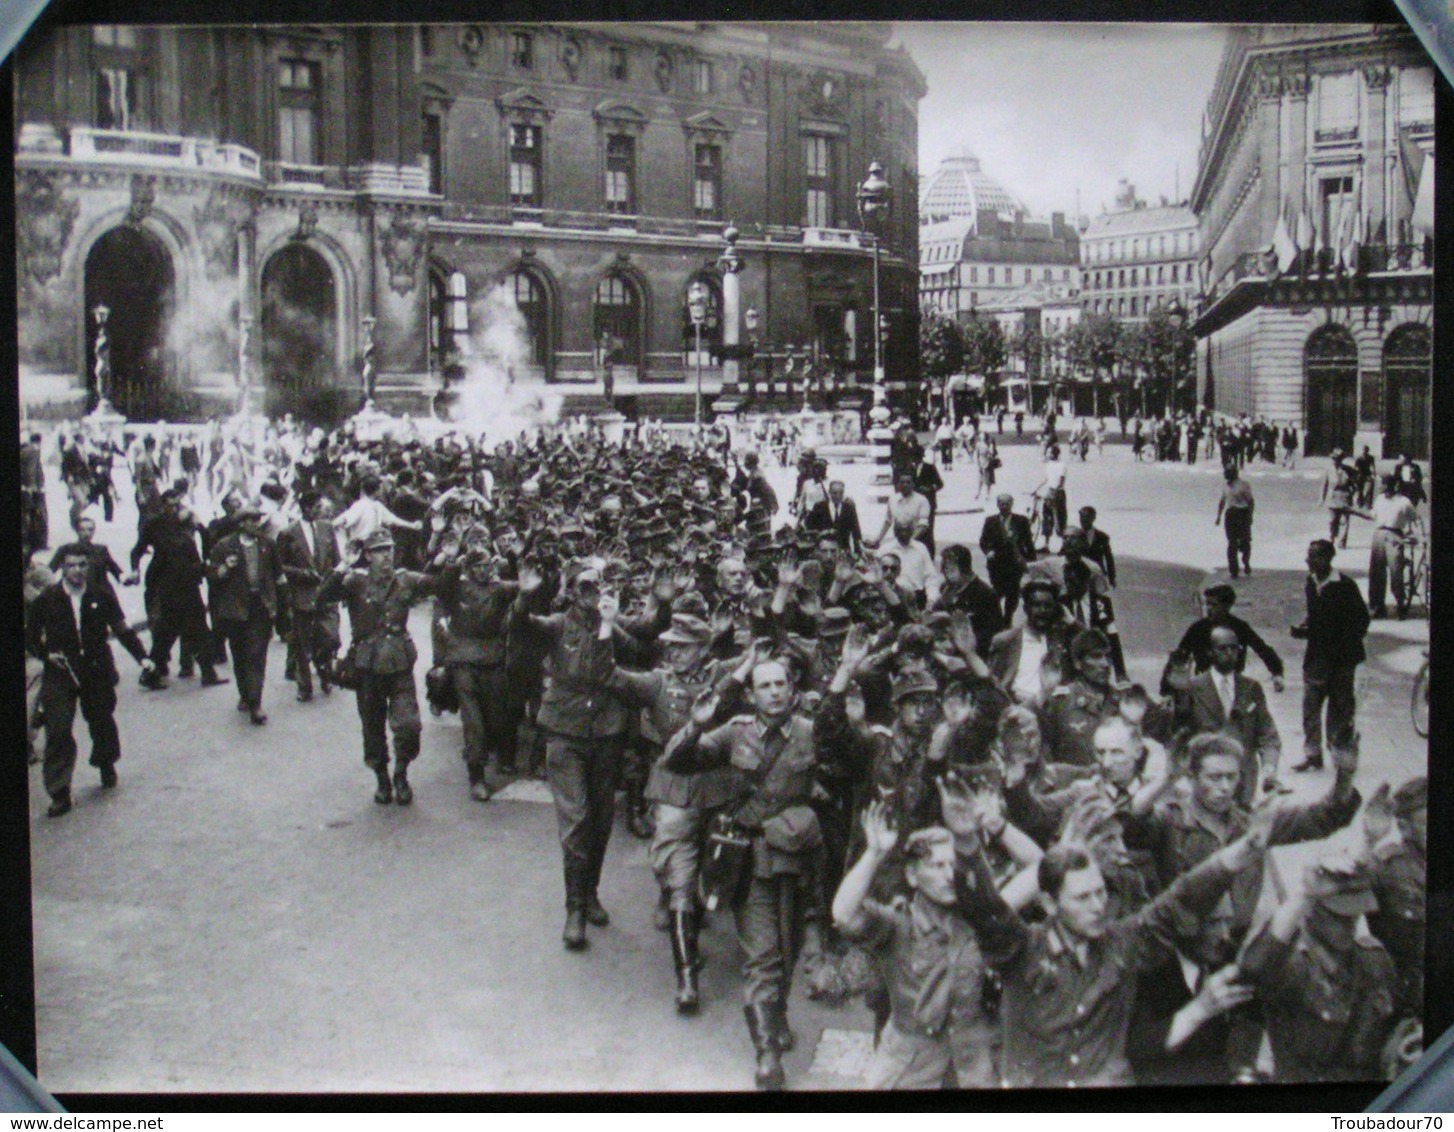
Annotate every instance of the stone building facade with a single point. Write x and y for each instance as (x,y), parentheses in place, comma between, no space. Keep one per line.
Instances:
(288,207)
(1138,257)
(1314,198)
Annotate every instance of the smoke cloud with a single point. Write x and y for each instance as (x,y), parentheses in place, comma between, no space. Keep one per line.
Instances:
(495,398)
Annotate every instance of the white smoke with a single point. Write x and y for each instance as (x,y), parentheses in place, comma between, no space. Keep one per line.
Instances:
(201,333)
(497,397)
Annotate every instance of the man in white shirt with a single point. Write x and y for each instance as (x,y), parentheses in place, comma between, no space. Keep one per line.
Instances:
(905,506)
(1393,517)
(366,516)
(918,574)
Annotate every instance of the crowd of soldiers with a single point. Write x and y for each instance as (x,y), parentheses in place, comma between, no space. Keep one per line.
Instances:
(902,780)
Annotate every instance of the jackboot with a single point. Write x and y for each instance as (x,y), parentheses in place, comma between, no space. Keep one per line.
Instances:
(638,812)
(385,793)
(403,795)
(574,935)
(769,1075)
(683,953)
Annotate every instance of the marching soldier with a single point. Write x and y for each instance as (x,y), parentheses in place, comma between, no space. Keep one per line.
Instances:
(383,657)
(1397,877)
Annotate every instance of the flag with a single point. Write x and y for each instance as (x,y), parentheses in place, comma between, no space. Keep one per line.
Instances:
(1423,218)
(1348,252)
(1342,231)
(1304,236)
(1282,243)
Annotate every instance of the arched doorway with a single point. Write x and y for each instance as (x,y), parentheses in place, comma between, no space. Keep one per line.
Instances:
(129,271)
(1330,362)
(1408,382)
(299,337)
(617,321)
(532,299)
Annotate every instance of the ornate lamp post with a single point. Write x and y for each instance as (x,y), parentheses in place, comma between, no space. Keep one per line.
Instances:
(244,375)
(875,197)
(730,264)
(750,317)
(697,308)
(368,359)
(1177,313)
(103,356)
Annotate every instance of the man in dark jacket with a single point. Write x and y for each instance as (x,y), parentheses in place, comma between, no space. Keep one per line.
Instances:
(244,572)
(308,552)
(174,580)
(1009,546)
(1334,629)
(68,629)
(1196,642)
(837,515)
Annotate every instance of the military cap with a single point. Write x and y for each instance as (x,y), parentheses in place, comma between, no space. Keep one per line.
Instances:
(914,682)
(835,621)
(1220,592)
(692,603)
(688,630)
(1411,797)
(1349,891)
(380,540)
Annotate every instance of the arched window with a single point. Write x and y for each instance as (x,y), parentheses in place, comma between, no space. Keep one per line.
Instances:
(711,325)
(616,320)
(1331,365)
(533,301)
(438,306)
(1408,357)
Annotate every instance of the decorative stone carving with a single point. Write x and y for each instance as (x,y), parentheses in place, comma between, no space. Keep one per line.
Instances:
(472,42)
(1267,85)
(44,217)
(570,56)
(747,82)
(307,221)
(217,225)
(143,198)
(402,245)
(823,94)
(661,67)
(1377,77)
(1296,83)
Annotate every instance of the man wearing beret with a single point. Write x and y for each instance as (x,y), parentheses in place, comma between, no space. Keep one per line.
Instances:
(1326,989)
(1397,875)
(244,572)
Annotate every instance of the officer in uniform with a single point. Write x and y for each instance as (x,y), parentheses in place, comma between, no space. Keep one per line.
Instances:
(1397,877)
(771,755)
(1327,991)
(379,599)
(684,803)
(1071,712)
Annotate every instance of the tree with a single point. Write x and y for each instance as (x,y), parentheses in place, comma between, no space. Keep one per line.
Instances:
(1093,346)
(984,351)
(941,347)
(1166,351)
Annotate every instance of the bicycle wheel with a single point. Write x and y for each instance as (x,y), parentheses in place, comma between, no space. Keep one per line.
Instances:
(1419,706)
(1404,582)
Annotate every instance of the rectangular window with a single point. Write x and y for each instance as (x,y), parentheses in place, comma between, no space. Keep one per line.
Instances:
(1047,274)
(1415,95)
(525,166)
(818,169)
(1027,275)
(620,174)
(115,98)
(707,183)
(426,41)
(702,76)
(298,112)
(431,146)
(522,50)
(616,64)
(974,274)
(1337,195)
(114,35)
(1338,107)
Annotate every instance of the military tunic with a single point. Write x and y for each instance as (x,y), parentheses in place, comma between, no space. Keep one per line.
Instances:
(1069,718)
(1399,886)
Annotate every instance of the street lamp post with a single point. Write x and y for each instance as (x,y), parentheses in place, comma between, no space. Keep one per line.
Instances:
(875,197)
(750,317)
(697,307)
(103,355)
(368,358)
(730,264)
(1177,313)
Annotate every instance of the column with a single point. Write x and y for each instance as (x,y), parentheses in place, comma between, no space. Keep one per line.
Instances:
(1375,171)
(1268,87)
(731,324)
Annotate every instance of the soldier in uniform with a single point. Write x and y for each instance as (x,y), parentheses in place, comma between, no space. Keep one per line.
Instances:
(684,803)
(379,599)
(1397,876)
(1071,711)
(771,754)
(1327,991)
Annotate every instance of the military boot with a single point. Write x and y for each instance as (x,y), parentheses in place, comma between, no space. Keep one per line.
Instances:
(683,953)
(769,1076)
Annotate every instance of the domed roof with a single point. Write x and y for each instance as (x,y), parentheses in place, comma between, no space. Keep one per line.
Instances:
(961,187)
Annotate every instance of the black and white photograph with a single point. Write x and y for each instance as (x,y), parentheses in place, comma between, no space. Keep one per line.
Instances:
(725,557)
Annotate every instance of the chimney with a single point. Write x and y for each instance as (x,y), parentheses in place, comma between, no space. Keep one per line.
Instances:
(1057,225)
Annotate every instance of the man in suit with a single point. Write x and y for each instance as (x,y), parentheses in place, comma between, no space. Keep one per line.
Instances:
(68,629)
(1334,629)
(1098,545)
(174,581)
(103,567)
(837,515)
(1220,699)
(308,552)
(1018,656)
(244,572)
(1009,546)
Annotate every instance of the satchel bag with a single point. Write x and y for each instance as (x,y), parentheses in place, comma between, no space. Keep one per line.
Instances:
(727,862)
(794,830)
(345,671)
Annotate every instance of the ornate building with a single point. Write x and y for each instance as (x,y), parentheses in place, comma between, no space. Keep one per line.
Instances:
(271,204)
(1137,258)
(1314,198)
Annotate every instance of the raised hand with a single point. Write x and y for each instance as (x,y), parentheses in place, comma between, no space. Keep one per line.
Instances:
(853,706)
(1222,992)
(989,806)
(789,573)
(956,803)
(856,648)
(1377,815)
(530,580)
(880,835)
(844,572)
(961,631)
(609,606)
(663,586)
(873,572)
(704,707)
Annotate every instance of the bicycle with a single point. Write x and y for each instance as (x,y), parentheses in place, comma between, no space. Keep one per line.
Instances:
(1419,703)
(1042,519)
(1412,578)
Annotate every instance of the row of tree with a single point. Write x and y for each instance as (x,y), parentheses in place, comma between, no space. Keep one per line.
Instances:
(1098,348)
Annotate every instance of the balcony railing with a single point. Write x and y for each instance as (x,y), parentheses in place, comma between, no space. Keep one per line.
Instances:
(131,147)
(1371,259)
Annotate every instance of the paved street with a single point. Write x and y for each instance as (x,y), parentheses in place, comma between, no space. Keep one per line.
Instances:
(240,916)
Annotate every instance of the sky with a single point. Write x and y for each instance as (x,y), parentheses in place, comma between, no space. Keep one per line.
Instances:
(1049,108)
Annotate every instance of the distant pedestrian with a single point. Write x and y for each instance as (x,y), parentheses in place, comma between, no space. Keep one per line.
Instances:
(1234,513)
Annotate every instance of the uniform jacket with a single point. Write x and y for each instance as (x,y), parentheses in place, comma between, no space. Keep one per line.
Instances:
(1399,886)
(229,593)
(845,530)
(51,627)
(578,702)
(1337,623)
(1069,716)
(305,569)
(479,618)
(378,616)
(1327,1016)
